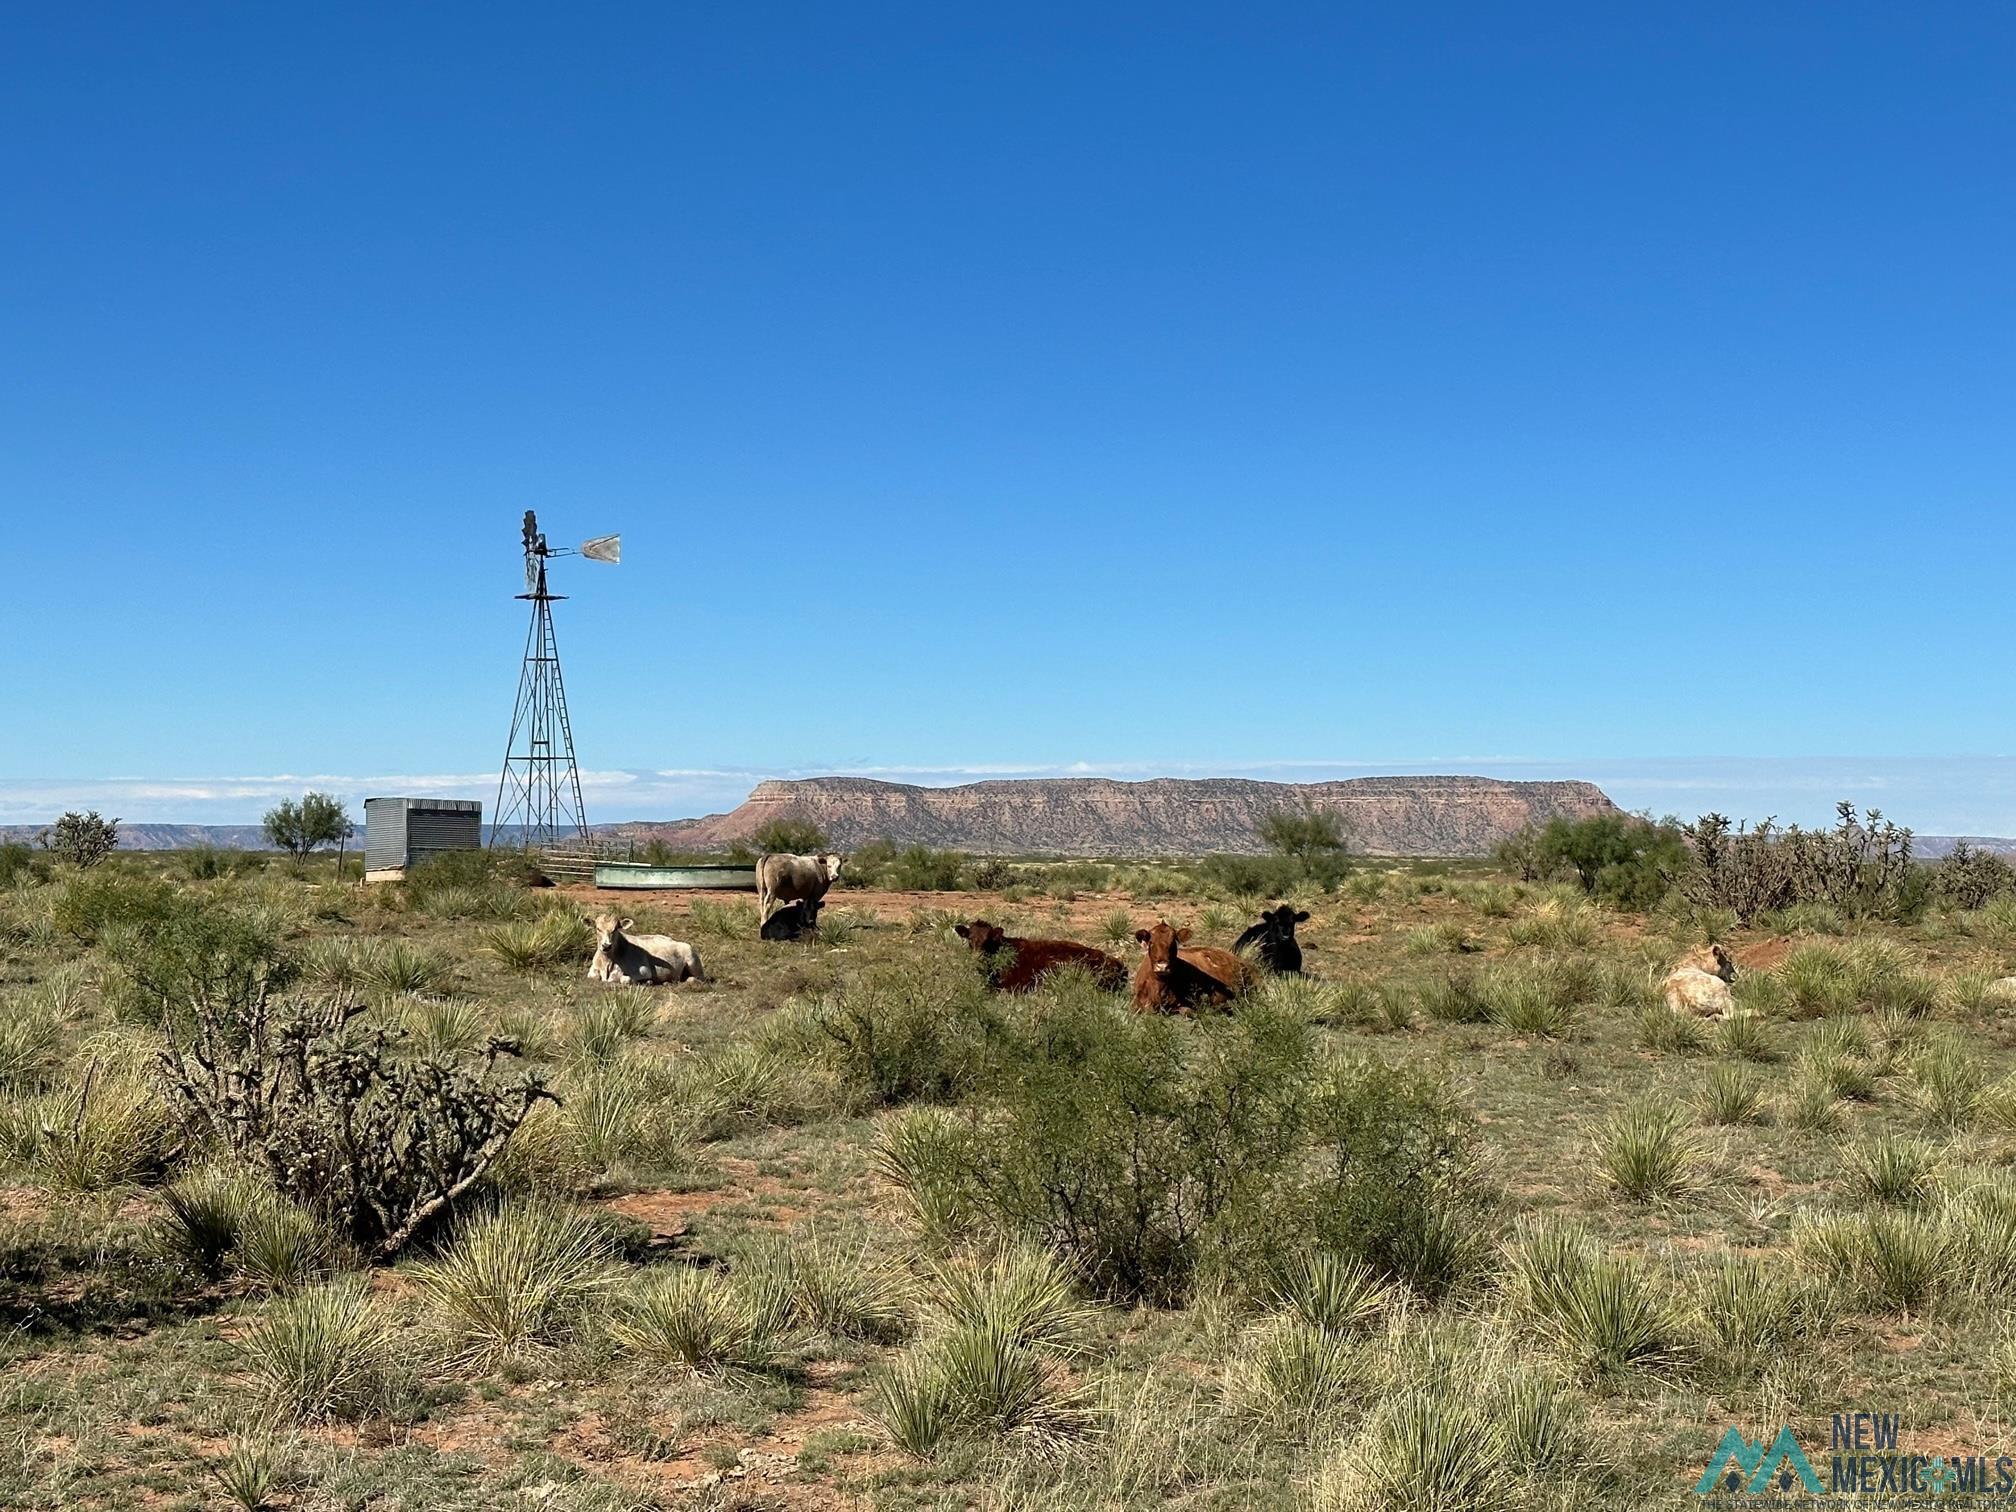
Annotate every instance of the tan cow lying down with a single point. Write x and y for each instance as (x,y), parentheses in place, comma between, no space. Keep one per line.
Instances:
(784,878)
(640,959)
(1700,984)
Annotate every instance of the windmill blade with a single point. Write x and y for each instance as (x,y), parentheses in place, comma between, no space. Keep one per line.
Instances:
(607,548)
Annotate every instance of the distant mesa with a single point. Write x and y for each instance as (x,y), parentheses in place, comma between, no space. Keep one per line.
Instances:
(1097,816)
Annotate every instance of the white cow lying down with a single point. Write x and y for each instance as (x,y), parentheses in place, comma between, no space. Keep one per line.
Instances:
(640,959)
(1700,984)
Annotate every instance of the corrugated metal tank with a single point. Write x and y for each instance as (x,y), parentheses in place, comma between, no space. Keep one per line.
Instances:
(400,831)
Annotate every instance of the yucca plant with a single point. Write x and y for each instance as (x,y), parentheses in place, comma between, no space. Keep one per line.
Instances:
(1117,928)
(1213,919)
(206,1214)
(604,1028)
(443,1026)
(842,1287)
(1645,1152)
(1811,1105)
(280,1247)
(980,1378)
(101,1133)
(920,1154)
(248,1474)
(1445,937)
(29,1038)
(1293,1374)
(1452,997)
(1746,1036)
(515,1279)
(1731,1093)
(1333,1292)
(1662,1029)
(1022,1292)
(913,1402)
(699,1319)
(322,1353)
(1541,1419)
(1947,1084)
(557,937)
(338,964)
(396,966)
(1530,998)
(1422,1450)
(1892,1168)
(1748,1313)
(1905,1260)
(1599,1309)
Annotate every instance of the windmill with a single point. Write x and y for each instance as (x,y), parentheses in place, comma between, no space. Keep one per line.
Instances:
(539,789)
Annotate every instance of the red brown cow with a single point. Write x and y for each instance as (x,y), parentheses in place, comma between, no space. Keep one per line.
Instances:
(1028,961)
(1171,980)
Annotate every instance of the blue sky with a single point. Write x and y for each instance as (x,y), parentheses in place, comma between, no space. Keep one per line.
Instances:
(1592,389)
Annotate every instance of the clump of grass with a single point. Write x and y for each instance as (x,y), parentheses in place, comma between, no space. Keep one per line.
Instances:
(1644,1152)
(1662,1029)
(322,1353)
(1731,1093)
(1748,1313)
(701,1320)
(1452,997)
(1530,998)
(1947,1084)
(442,1026)
(841,1287)
(396,966)
(557,937)
(30,1036)
(515,1279)
(1747,1036)
(1599,1309)
(604,1028)
(1892,1168)
(1422,1450)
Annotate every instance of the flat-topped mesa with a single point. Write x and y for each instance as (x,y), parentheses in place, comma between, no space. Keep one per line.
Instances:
(1167,816)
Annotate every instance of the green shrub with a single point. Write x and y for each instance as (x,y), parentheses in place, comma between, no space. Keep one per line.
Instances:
(95,902)
(1140,1150)
(895,1035)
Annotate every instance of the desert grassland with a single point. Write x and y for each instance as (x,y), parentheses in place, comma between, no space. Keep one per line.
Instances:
(1465,1219)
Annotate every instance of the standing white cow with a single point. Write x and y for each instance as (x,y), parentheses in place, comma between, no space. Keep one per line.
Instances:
(640,959)
(783,878)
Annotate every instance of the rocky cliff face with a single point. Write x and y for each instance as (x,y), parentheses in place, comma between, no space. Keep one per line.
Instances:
(1089,816)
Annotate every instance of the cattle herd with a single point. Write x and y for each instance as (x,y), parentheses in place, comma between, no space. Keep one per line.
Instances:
(790,890)
(1173,977)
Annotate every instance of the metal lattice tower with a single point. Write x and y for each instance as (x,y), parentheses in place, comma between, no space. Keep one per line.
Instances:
(539,789)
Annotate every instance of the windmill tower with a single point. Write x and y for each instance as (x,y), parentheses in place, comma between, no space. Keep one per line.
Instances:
(539,789)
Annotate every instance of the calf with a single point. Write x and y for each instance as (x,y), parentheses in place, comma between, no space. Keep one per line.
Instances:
(1171,980)
(1275,935)
(1700,984)
(793,921)
(640,960)
(1016,965)
(784,878)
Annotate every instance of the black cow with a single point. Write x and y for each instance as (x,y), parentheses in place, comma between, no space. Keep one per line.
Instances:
(793,921)
(1275,936)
